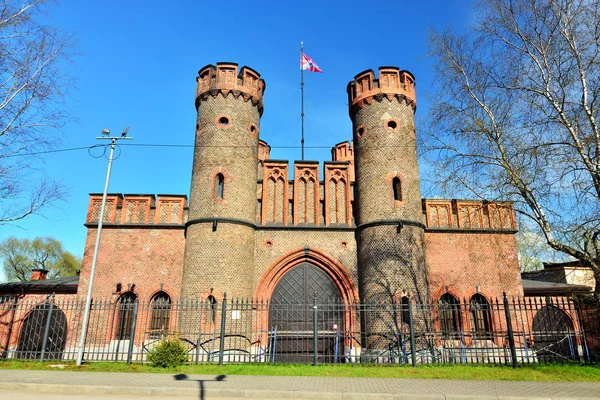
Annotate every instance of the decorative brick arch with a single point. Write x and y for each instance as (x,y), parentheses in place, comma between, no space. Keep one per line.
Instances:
(335,270)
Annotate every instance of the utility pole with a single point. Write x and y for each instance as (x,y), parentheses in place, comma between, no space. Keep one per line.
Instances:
(88,300)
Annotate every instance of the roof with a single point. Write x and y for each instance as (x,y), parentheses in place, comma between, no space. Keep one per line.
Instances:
(532,287)
(66,285)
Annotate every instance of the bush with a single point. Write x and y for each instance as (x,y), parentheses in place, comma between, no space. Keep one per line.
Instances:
(169,353)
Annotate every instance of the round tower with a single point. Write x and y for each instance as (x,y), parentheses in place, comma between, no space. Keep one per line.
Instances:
(219,249)
(388,211)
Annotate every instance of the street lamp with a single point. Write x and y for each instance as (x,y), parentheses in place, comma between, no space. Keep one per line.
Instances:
(88,300)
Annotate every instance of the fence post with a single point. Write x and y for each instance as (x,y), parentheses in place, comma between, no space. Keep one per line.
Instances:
(47,327)
(411,332)
(315,332)
(132,331)
(222,334)
(511,336)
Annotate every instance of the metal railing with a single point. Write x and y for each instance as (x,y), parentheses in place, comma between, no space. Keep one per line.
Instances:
(500,331)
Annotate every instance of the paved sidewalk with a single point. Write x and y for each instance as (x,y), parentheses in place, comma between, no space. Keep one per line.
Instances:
(285,387)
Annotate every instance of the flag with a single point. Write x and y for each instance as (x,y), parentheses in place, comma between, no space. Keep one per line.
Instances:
(307,63)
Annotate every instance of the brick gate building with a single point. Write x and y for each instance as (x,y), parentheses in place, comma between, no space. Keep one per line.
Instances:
(358,222)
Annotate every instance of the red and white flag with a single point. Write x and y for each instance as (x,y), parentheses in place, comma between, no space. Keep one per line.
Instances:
(307,63)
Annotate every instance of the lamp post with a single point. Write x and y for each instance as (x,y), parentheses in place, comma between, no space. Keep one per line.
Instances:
(88,300)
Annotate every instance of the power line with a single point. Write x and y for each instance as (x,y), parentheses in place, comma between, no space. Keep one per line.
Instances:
(46,152)
(178,146)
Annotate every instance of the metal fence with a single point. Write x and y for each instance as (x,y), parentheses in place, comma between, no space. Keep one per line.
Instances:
(500,331)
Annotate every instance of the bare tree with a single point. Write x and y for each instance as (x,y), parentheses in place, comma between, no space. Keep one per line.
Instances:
(515,116)
(33,57)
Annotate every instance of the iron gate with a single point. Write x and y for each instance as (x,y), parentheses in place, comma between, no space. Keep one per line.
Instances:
(291,316)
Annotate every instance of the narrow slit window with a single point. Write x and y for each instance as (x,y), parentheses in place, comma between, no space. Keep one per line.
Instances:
(211,302)
(397,188)
(220,185)
(404,313)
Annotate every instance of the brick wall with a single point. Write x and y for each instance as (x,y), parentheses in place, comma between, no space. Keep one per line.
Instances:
(142,256)
(465,262)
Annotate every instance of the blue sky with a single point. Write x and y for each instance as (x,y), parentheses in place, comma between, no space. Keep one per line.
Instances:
(137,67)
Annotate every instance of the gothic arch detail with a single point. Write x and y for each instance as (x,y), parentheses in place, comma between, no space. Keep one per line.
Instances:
(337,195)
(275,194)
(332,267)
(306,194)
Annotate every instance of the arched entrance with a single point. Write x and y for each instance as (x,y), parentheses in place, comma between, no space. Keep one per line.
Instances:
(292,316)
(553,336)
(31,337)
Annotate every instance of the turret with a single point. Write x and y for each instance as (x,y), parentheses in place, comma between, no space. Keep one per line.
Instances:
(219,231)
(388,212)
(388,209)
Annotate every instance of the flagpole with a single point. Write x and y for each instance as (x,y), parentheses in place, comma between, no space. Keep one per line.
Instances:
(302,91)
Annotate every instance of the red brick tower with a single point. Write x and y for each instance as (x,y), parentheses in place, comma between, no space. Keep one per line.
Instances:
(389,216)
(219,250)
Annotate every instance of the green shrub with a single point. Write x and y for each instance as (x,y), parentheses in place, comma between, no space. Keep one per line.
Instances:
(169,353)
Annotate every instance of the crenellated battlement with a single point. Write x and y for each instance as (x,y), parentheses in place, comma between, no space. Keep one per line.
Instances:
(344,151)
(392,83)
(147,209)
(225,79)
(453,214)
(264,150)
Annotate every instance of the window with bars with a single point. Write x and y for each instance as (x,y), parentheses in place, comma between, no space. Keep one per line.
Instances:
(161,307)
(481,316)
(125,315)
(449,313)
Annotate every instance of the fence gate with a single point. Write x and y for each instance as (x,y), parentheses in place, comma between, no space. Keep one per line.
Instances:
(291,317)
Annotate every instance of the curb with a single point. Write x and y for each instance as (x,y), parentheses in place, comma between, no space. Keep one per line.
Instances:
(248,394)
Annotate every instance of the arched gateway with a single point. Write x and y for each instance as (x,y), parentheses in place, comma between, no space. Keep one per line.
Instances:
(36,323)
(295,285)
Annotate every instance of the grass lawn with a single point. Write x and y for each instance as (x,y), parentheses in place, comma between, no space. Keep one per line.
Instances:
(542,373)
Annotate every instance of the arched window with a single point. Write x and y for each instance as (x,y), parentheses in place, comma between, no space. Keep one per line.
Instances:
(161,306)
(397,188)
(125,312)
(220,185)
(211,303)
(404,301)
(449,310)
(481,316)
